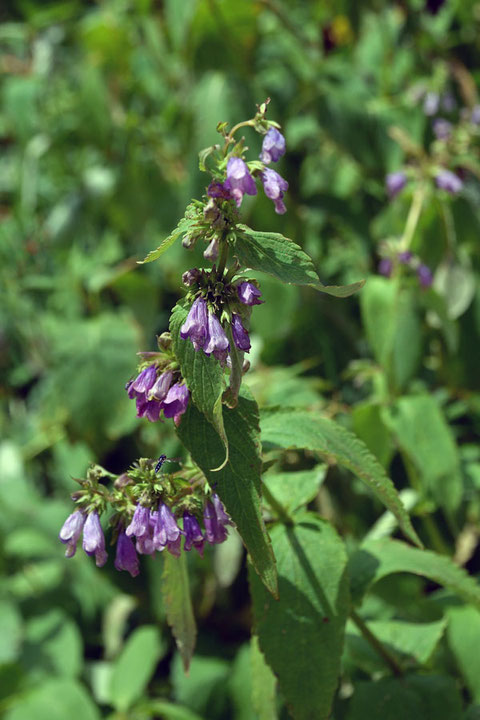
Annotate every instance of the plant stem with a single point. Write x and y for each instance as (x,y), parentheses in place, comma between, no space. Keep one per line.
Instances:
(377,645)
(413,217)
(222,261)
(275,505)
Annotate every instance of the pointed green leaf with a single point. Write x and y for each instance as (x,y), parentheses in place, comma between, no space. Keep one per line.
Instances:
(186,223)
(134,667)
(463,634)
(301,634)
(377,558)
(178,604)
(238,483)
(282,258)
(263,683)
(289,428)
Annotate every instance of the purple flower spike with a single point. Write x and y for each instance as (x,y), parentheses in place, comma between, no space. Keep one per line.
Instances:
(166,529)
(93,539)
(274,186)
(385,267)
(195,326)
(442,128)
(395,182)
(193,533)
(215,520)
(239,181)
(273,146)
(240,335)
(447,180)
(126,557)
(405,257)
(160,389)
(176,401)
(140,523)
(71,531)
(249,294)
(217,342)
(425,276)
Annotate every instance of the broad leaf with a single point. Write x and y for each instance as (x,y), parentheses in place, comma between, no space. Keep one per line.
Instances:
(238,483)
(279,256)
(263,683)
(301,634)
(463,634)
(377,558)
(178,604)
(186,224)
(203,375)
(54,699)
(294,489)
(288,428)
(134,667)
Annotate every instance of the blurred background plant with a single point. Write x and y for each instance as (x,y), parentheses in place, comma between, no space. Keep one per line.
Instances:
(104,107)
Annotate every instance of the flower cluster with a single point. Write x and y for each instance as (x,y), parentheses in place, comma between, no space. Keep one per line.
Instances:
(409,260)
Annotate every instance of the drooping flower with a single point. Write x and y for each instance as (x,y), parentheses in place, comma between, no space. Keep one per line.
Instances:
(215,520)
(143,382)
(274,186)
(395,182)
(249,294)
(211,252)
(273,146)
(193,533)
(424,275)
(405,256)
(195,326)
(160,388)
(176,401)
(217,341)
(145,544)
(240,335)
(71,531)
(93,539)
(126,557)
(442,128)
(166,532)
(239,181)
(140,522)
(447,180)
(385,267)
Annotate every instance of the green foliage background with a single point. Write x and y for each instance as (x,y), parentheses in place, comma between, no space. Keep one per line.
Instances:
(104,107)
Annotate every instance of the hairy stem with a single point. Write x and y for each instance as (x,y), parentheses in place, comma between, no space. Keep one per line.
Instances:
(377,645)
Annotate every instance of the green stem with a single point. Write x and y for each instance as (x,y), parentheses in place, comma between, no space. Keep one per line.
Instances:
(275,505)
(413,217)
(377,645)
(222,260)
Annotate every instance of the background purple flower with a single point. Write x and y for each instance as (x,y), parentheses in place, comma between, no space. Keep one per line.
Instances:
(239,181)
(249,294)
(193,533)
(424,275)
(385,267)
(71,531)
(274,186)
(395,182)
(215,520)
(447,180)
(405,257)
(94,540)
(442,128)
(273,146)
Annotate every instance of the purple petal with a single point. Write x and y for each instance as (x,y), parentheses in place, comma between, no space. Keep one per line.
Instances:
(145,380)
(93,539)
(176,401)
(161,386)
(140,523)
(274,186)
(126,557)
(273,146)
(248,293)
(217,341)
(240,335)
(239,181)
(447,180)
(71,531)
(395,182)
(195,325)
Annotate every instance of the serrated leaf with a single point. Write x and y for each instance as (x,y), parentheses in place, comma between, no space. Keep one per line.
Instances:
(282,258)
(463,634)
(289,428)
(263,683)
(203,375)
(377,558)
(185,224)
(238,483)
(301,634)
(178,604)
(134,667)
(293,489)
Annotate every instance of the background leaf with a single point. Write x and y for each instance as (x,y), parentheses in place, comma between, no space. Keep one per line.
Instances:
(134,667)
(178,603)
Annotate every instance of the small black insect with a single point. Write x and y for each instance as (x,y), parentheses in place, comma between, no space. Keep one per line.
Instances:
(160,462)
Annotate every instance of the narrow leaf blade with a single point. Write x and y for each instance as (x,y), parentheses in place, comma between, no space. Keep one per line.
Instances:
(178,604)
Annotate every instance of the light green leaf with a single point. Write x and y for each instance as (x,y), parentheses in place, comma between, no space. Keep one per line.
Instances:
(294,489)
(279,256)
(10,632)
(205,689)
(134,667)
(203,375)
(186,223)
(463,635)
(263,684)
(238,483)
(178,604)
(289,428)
(54,700)
(301,634)
(377,558)
(57,639)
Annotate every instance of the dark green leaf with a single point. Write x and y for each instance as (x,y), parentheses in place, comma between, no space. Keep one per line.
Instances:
(238,483)
(263,683)
(301,634)
(178,604)
(463,635)
(288,428)
(279,256)
(134,667)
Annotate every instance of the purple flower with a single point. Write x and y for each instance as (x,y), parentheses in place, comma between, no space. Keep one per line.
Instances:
(126,557)
(71,531)
(145,544)
(218,190)
(447,180)
(159,390)
(143,382)
(195,326)
(215,520)
(240,335)
(395,182)
(405,257)
(239,181)
(140,523)
(442,128)
(273,146)
(93,539)
(425,276)
(166,530)
(431,103)
(193,533)
(190,277)
(217,342)
(274,186)
(249,294)
(148,408)
(176,401)
(385,267)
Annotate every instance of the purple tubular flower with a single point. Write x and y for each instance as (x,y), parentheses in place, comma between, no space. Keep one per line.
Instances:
(395,182)
(93,539)
(195,326)
(447,180)
(424,275)
(176,401)
(71,531)
(273,146)
(215,520)
(405,257)
(217,342)
(239,181)
(126,557)
(145,544)
(274,186)
(143,382)
(218,190)
(249,294)
(385,267)
(148,408)
(193,533)
(159,390)
(442,128)
(166,529)
(140,522)
(240,335)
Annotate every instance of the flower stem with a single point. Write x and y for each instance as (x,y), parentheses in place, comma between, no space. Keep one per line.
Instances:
(377,645)
(222,260)
(413,217)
